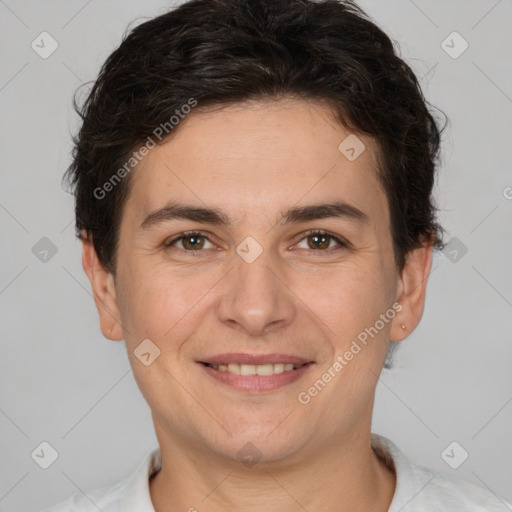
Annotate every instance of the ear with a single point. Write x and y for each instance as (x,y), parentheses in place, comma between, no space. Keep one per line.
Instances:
(103,288)
(411,291)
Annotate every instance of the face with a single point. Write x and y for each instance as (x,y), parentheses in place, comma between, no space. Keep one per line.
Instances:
(265,274)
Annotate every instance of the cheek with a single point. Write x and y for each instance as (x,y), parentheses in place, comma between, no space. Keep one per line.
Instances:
(347,299)
(163,305)
(351,306)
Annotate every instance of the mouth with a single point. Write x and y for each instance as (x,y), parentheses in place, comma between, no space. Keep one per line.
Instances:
(255,369)
(255,373)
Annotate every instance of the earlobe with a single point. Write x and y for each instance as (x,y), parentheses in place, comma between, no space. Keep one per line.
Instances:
(104,292)
(411,293)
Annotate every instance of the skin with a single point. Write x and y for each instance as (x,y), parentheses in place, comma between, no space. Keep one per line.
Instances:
(254,161)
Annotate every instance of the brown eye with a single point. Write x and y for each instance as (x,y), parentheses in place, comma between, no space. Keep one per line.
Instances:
(192,242)
(322,241)
(319,241)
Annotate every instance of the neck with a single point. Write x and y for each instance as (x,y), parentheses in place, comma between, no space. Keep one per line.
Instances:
(347,476)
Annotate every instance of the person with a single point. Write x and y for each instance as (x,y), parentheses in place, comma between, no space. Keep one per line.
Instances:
(253,184)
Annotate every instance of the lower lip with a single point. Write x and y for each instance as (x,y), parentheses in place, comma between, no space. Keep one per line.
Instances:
(257,383)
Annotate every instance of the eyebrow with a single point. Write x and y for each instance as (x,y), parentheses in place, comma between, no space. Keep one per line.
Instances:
(297,214)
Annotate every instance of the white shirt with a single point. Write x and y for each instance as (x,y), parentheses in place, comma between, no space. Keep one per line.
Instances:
(418,489)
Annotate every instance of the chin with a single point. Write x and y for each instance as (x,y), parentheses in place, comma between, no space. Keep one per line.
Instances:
(257,445)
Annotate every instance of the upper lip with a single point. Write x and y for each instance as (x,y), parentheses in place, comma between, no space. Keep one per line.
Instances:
(244,358)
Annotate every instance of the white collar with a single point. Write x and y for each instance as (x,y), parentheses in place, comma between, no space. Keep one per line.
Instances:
(418,489)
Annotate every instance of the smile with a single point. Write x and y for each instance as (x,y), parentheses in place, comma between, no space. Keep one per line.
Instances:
(256,378)
(255,369)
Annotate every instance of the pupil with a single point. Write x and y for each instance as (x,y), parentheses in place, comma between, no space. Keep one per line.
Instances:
(195,242)
(316,238)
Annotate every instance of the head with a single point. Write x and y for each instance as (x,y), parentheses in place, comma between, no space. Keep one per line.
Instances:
(253,114)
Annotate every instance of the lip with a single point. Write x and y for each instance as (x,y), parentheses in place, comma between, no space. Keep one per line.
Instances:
(257,383)
(244,358)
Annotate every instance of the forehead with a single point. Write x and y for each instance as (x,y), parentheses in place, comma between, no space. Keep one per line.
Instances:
(257,158)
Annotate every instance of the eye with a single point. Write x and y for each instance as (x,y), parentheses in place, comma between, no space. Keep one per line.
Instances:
(318,240)
(191,241)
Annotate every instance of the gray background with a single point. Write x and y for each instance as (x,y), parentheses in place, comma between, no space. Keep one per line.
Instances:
(63,383)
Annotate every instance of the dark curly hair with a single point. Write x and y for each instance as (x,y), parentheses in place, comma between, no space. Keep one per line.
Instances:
(222,52)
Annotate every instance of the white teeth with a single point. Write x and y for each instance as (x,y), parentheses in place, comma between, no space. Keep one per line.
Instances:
(265,369)
(279,368)
(247,369)
(232,368)
(255,369)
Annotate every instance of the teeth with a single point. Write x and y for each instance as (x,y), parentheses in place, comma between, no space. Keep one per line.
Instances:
(255,369)
(278,368)
(232,368)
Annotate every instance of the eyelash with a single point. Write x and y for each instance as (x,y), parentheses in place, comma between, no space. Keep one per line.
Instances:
(188,234)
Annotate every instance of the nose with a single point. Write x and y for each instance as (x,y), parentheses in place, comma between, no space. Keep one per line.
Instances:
(256,298)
